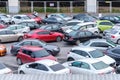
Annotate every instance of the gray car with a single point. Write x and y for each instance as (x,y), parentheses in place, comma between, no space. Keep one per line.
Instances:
(52,49)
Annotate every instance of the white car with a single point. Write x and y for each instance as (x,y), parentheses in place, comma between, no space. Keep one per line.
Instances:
(90,26)
(18,28)
(100,44)
(77,53)
(69,24)
(61,15)
(20,18)
(113,36)
(43,66)
(89,66)
(5,19)
(4,69)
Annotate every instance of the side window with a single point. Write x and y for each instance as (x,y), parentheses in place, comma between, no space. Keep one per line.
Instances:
(107,18)
(76,51)
(10,32)
(36,44)
(82,34)
(27,52)
(26,43)
(95,44)
(76,64)
(90,26)
(17,17)
(83,28)
(88,33)
(23,24)
(43,32)
(48,28)
(99,44)
(83,53)
(116,51)
(85,65)
(42,67)
(2,32)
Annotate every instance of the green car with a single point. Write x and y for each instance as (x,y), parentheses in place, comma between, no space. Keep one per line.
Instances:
(104,25)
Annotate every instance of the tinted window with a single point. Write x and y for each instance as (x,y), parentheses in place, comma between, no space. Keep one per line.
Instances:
(100,44)
(106,23)
(2,66)
(27,52)
(117,51)
(10,32)
(96,54)
(76,51)
(43,32)
(17,17)
(72,23)
(57,67)
(85,65)
(26,43)
(41,67)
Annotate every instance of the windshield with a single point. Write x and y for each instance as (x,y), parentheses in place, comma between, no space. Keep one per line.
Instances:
(43,42)
(40,53)
(86,43)
(63,15)
(100,65)
(96,54)
(76,27)
(57,67)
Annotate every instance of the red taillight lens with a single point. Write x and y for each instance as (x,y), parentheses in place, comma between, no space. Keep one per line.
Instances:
(112,36)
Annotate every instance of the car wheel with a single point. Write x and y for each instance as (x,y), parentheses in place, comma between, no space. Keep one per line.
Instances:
(20,38)
(21,72)
(77,42)
(118,41)
(19,61)
(70,59)
(2,22)
(96,32)
(58,39)
(13,22)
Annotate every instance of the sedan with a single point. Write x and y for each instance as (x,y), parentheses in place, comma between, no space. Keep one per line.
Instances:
(89,66)
(77,53)
(44,35)
(18,28)
(8,36)
(4,19)
(52,27)
(28,54)
(100,44)
(42,67)
(114,53)
(80,36)
(52,49)
(52,20)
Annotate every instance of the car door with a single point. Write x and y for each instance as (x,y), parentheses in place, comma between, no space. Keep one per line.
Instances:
(4,36)
(19,29)
(82,36)
(92,28)
(12,36)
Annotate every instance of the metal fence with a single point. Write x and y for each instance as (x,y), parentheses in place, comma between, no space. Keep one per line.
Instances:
(62,6)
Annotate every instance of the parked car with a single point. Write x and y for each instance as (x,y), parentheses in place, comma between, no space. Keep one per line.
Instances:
(79,36)
(113,18)
(114,36)
(32,53)
(114,53)
(8,36)
(90,26)
(104,25)
(31,24)
(18,28)
(61,15)
(85,18)
(4,69)
(52,20)
(43,67)
(4,19)
(69,24)
(100,44)
(44,35)
(89,66)
(3,50)
(20,18)
(52,49)
(36,18)
(52,27)
(77,53)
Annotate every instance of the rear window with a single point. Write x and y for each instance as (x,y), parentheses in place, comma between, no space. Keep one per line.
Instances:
(106,23)
(57,67)
(100,65)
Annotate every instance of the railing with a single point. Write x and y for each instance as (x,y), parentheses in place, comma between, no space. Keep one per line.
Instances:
(62,6)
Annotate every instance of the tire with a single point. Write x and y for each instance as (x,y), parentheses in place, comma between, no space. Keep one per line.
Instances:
(20,38)
(2,22)
(77,42)
(21,72)
(58,39)
(13,22)
(118,41)
(51,52)
(19,61)
(70,59)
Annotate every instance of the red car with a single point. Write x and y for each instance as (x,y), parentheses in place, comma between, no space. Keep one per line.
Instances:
(32,53)
(36,18)
(44,35)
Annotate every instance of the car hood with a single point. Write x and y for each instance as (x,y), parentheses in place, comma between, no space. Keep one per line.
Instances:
(106,59)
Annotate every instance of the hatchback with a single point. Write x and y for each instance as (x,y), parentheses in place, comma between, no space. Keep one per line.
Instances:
(32,53)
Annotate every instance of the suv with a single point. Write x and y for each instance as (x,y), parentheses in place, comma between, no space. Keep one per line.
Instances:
(31,54)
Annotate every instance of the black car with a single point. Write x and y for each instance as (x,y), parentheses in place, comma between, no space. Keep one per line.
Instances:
(31,24)
(52,20)
(114,53)
(79,36)
(52,27)
(52,49)
(113,18)
(85,17)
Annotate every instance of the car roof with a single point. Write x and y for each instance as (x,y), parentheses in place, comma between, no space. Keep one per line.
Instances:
(85,23)
(74,20)
(98,40)
(83,48)
(89,60)
(47,62)
(32,48)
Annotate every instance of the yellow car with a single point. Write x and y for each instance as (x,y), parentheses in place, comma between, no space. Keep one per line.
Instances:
(2,50)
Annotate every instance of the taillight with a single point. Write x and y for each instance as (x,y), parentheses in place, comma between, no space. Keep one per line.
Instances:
(112,36)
